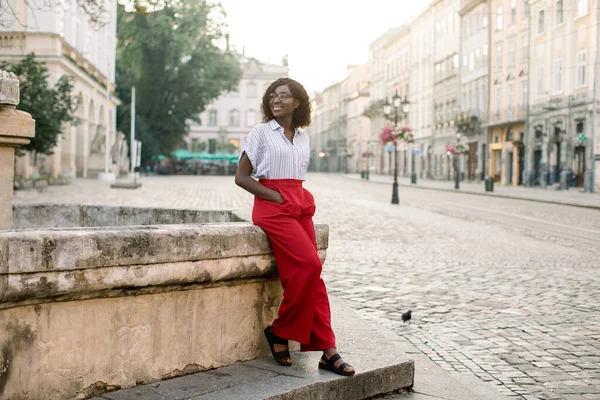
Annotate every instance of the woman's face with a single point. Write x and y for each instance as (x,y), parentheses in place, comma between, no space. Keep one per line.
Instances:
(281,102)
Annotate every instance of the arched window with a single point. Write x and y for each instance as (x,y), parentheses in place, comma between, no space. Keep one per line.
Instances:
(234,118)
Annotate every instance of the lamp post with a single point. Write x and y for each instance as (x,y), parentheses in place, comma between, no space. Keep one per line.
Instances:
(456,166)
(400,107)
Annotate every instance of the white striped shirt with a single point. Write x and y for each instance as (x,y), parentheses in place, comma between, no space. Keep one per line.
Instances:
(273,156)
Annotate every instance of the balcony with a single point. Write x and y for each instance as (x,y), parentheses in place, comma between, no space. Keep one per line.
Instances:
(469,121)
(507,116)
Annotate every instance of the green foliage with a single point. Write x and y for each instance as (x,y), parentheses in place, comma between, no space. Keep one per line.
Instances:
(226,147)
(170,56)
(50,107)
(198,147)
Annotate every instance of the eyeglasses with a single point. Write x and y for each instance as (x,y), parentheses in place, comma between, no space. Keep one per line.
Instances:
(282,96)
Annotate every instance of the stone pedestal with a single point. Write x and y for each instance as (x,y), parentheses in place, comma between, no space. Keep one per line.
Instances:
(16,129)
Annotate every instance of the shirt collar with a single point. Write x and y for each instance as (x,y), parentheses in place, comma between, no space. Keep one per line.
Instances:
(275,126)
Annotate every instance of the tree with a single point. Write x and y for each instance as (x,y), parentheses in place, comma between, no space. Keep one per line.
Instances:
(171,57)
(49,107)
(95,10)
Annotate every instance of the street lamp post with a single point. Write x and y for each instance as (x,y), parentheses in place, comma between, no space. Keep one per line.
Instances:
(400,107)
(456,164)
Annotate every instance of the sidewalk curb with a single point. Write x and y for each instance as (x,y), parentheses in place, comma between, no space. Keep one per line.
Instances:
(503,196)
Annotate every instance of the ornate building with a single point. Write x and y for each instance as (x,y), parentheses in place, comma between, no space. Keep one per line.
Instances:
(474,86)
(562,115)
(69,44)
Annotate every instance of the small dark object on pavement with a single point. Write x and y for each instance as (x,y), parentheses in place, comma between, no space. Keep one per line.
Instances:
(407,316)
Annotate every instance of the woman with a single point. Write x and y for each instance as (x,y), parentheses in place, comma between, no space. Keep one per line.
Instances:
(277,153)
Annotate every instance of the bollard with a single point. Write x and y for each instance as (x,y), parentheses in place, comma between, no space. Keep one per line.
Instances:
(413,178)
(489,184)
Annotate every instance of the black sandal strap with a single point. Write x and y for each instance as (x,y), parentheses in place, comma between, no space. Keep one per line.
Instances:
(283,354)
(278,339)
(343,366)
(331,361)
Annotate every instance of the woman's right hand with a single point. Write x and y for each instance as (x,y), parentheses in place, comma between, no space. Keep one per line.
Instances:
(278,197)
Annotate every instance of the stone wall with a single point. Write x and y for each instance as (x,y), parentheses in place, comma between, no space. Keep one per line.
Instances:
(86,310)
(34,216)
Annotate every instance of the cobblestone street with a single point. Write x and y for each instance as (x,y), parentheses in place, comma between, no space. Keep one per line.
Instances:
(505,289)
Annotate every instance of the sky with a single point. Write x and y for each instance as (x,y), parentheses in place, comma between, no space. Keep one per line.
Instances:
(320,37)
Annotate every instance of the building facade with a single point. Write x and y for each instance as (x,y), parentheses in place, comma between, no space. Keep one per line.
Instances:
(384,57)
(421,90)
(445,84)
(509,87)
(69,44)
(397,78)
(562,114)
(473,87)
(358,130)
(226,122)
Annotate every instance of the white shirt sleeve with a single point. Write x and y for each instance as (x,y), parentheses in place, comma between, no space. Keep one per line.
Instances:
(253,147)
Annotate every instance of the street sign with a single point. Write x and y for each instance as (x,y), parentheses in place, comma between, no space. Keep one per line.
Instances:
(416,151)
(581,138)
(389,147)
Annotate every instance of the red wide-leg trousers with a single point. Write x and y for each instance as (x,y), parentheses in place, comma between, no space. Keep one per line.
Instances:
(304,314)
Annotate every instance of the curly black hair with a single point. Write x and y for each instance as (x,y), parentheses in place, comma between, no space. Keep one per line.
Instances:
(301,117)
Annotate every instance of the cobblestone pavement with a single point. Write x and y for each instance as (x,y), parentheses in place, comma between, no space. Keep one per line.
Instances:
(504,289)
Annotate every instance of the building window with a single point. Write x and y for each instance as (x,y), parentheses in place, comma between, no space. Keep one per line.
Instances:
(498,100)
(499,56)
(513,11)
(525,9)
(524,91)
(581,69)
(510,56)
(582,7)
(455,61)
(251,90)
(212,118)
(510,92)
(560,12)
(234,118)
(540,82)
(484,22)
(472,61)
(499,18)
(558,75)
(541,21)
(250,118)
(524,50)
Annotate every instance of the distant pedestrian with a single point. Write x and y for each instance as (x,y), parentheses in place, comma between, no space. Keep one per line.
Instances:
(277,152)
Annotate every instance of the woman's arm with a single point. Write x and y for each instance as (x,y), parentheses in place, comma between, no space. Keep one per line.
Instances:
(246,182)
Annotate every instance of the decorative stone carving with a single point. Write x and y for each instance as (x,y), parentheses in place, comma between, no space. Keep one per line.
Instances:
(9,88)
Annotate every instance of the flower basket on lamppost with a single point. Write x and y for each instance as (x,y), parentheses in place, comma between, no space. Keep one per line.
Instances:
(392,135)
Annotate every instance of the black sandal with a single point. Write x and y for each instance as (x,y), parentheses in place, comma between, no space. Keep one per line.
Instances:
(329,365)
(273,339)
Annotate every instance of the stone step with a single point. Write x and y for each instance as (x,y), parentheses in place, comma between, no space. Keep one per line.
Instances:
(382,367)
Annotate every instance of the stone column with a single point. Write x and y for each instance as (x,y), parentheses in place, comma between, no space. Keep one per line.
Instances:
(16,129)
